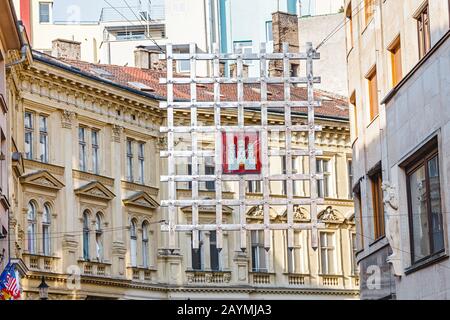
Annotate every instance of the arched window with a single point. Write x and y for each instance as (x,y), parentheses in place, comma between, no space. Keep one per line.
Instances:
(86,235)
(145,253)
(133,243)
(99,236)
(31,231)
(46,226)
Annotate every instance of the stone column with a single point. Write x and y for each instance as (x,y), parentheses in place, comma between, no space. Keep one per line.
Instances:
(118,218)
(69,220)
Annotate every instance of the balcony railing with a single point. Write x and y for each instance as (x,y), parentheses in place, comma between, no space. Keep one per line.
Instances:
(141,274)
(40,263)
(260,278)
(95,269)
(144,14)
(205,277)
(331,281)
(298,279)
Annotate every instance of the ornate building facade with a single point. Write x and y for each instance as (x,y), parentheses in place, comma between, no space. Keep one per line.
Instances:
(86,193)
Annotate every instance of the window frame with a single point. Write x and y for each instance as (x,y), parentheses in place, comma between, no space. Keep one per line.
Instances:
(31,228)
(421,159)
(99,241)
(141,162)
(423,30)
(50,13)
(82,149)
(86,235)
(43,134)
(133,244)
(395,50)
(130,159)
(29,131)
(257,247)
(326,185)
(46,230)
(379,222)
(374,102)
(95,145)
(328,248)
(145,245)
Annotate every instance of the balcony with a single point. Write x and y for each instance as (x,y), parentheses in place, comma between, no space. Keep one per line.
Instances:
(40,263)
(95,269)
(332,281)
(208,277)
(295,280)
(141,274)
(262,278)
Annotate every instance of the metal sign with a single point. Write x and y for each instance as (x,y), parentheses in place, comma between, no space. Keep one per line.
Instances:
(241,152)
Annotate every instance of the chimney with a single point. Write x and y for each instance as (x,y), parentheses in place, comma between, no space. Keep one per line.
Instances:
(66,49)
(284,29)
(150,59)
(233,70)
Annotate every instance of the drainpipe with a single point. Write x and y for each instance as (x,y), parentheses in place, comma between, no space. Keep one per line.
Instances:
(24,49)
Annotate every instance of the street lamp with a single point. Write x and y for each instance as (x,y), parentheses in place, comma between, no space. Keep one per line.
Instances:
(43,290)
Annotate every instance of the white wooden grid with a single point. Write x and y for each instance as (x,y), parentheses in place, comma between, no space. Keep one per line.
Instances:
(173,204)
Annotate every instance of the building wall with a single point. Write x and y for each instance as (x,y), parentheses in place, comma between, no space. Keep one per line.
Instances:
(371,43)
(332,65)
(66,99)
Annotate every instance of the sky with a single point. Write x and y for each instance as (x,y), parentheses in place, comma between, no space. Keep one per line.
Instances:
(89,10)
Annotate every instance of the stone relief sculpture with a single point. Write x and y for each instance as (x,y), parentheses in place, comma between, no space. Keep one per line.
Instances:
(392,227)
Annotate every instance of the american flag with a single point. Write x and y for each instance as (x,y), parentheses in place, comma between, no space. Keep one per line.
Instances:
(12,286)
(9,285)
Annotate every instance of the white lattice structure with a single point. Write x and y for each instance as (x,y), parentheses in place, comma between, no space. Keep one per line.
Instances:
(243,203)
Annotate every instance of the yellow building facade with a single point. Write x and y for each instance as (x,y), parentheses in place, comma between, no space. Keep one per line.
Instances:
(86,192)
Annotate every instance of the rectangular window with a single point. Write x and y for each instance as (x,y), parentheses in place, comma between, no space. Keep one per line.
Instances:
(247,48)
(373,94)
(213,251)
(424,204)
(183,66)
(189,169)
(95,152)
(28,119)
(130,160)
(43,138)
(269,31)
(295,258)
(328,253)
(378,206)
(141,158)
(369,10)
(259,253)
(210,185)
(396,62)
(44,12)
(82,148)
(197,256)
(254,187)
(350,178)
(324,186)
(423,29)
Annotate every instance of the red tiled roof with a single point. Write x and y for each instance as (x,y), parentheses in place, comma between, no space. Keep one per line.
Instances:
(332,105)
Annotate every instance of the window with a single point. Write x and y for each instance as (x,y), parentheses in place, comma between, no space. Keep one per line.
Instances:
(210,185)
(86,232)
(43,138)
(183,66)
(130,160)
(189,169)
(28,135)
(133,243)
(373,94)
(295,263)
(360,228)
(131,35)
(324,186)
(259,253)
(423,29)
(254,187)
(350,178)
(247,48)
(197,256)
(349,18)
(99,236)
(355,269)
(328,253)
(284,170)
(269,31)
(369,10)
(396,62)
(424,204)
(378,206)
(213,251)
(44,12)
(141,158)
(31,231)
(46,225)
(95,152)
(145,252)
(82,148)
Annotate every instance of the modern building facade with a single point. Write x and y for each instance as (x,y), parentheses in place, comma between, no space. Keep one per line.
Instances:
(10,54)
(398,62)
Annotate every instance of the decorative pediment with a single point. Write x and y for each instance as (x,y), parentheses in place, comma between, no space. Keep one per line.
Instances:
(330,215)
(43,179)
(351,219)
(95,190)
(258,213)
(300,214)
(141,199)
